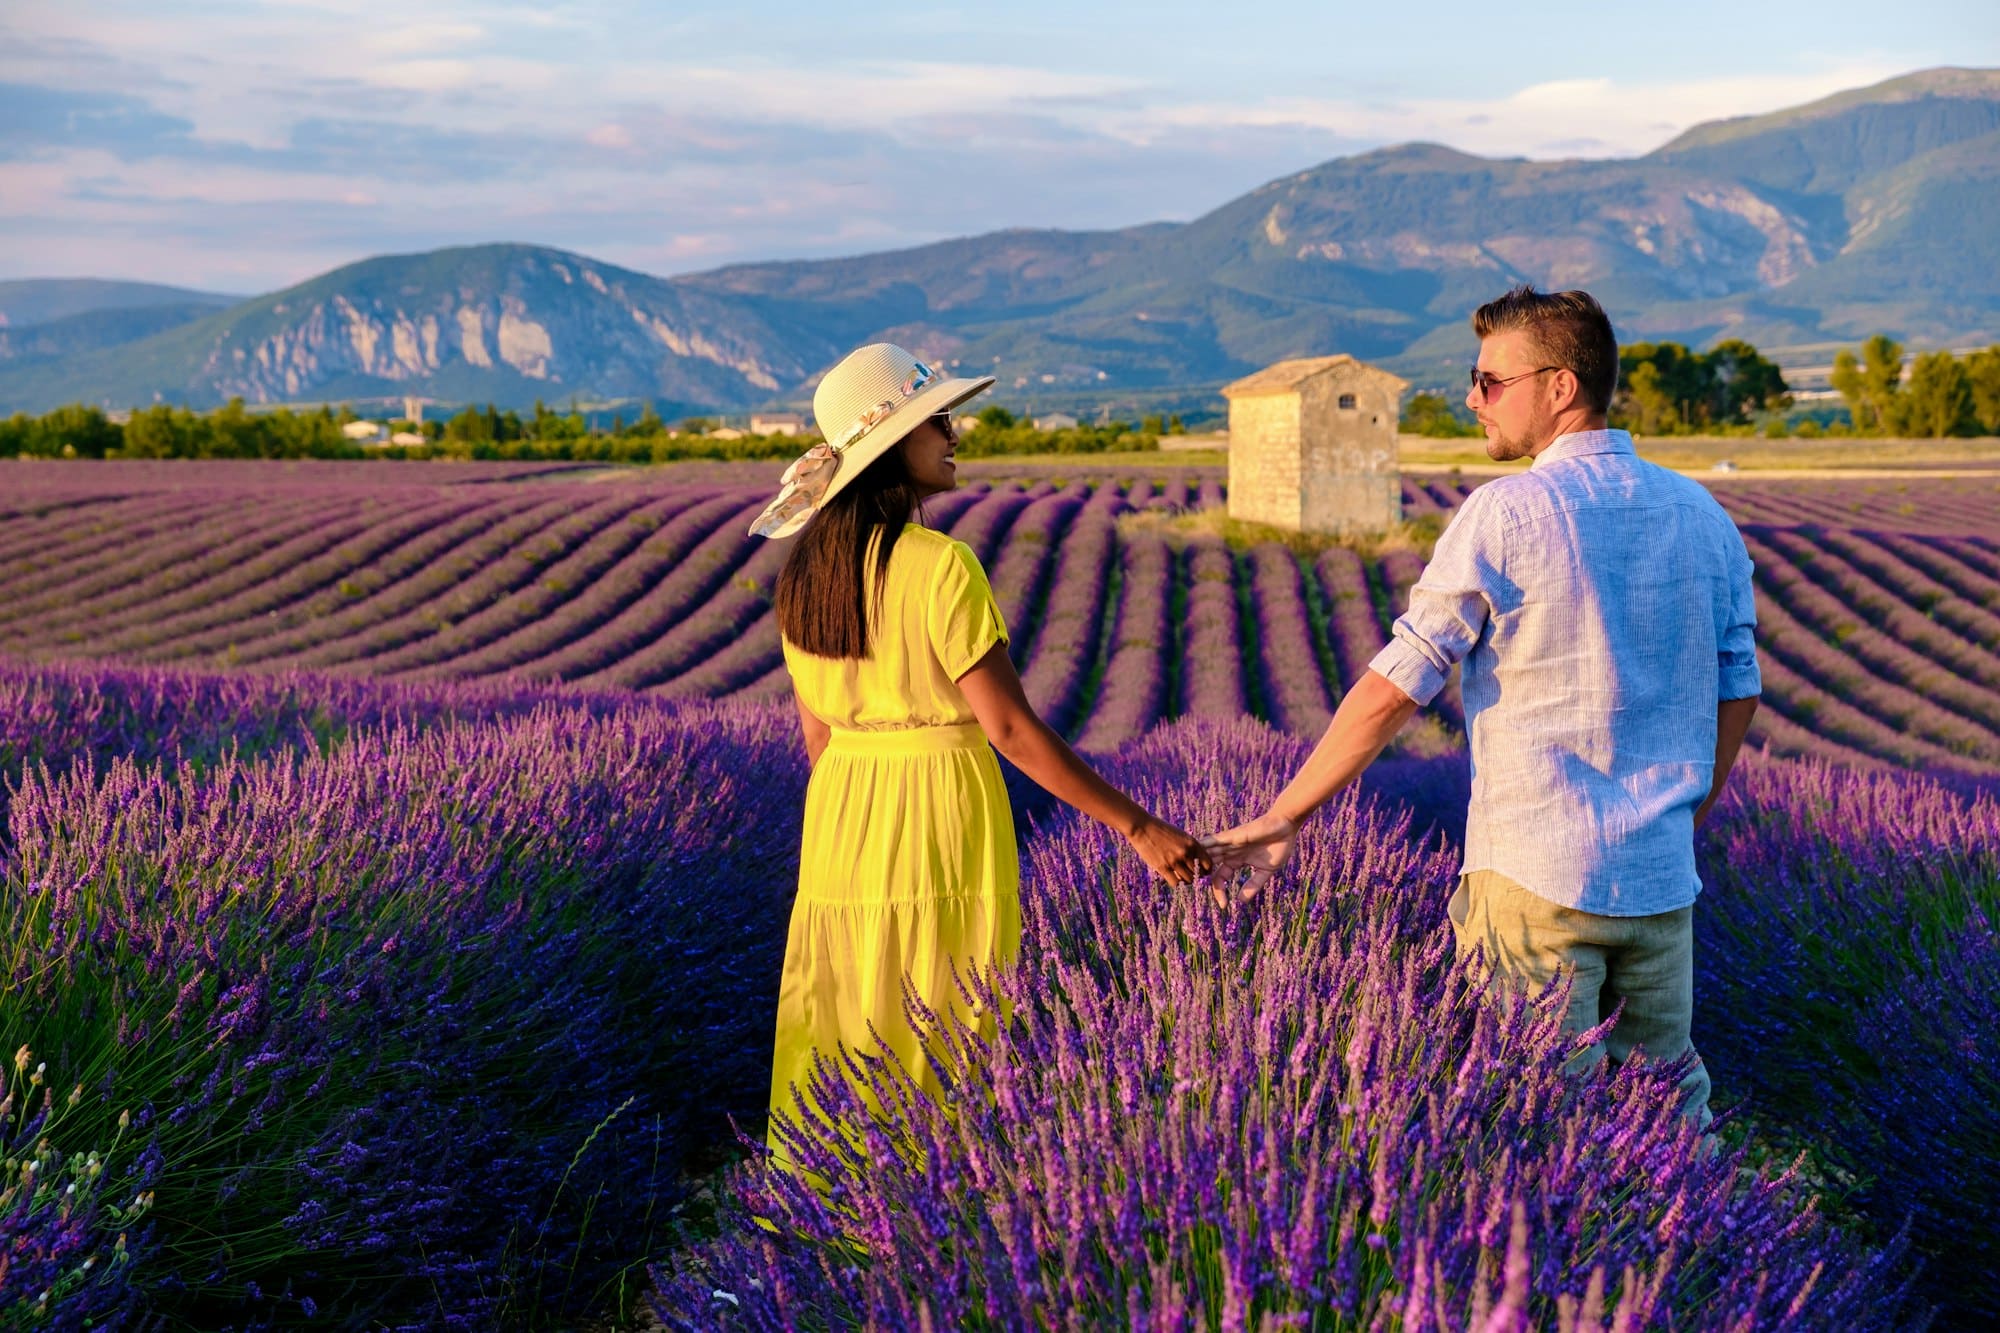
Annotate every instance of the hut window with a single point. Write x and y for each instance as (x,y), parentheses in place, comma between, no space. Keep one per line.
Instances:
(1347,402)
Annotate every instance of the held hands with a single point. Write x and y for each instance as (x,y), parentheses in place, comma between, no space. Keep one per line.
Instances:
(1255,850)
(1251,852)
(1173,855)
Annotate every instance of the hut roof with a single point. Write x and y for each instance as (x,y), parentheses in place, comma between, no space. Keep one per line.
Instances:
(1287,376)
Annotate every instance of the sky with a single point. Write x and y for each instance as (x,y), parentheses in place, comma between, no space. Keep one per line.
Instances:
(243,147)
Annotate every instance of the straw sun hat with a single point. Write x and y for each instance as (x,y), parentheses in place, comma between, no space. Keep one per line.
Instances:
(864,406)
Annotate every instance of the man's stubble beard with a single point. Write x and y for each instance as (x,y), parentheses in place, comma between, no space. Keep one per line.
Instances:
(1504,448)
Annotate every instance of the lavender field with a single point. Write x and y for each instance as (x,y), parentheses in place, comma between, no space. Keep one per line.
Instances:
(396,864)
(1879,601)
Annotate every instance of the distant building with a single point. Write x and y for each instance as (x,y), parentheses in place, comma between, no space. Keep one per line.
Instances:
(407,438)
(726,433)
(365,432)
(1055,421)
(1312,446)
(777,423)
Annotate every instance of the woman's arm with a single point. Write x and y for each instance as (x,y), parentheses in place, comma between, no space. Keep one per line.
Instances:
(993,689)
(816,731)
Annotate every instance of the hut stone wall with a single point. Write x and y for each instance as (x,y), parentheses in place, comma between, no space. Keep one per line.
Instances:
(1267,478)
(1312,446)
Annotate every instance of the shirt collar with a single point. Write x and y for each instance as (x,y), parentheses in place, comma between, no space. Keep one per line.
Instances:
(1578,443)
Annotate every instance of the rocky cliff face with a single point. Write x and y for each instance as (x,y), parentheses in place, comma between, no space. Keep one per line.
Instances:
(1679,234)
(540,321)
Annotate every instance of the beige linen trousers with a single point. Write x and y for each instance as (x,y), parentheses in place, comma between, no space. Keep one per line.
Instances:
(1645,961)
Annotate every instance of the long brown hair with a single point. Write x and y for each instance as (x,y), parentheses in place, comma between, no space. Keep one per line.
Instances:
(822,597)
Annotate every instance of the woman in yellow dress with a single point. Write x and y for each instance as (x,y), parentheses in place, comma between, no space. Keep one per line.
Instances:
(898,657)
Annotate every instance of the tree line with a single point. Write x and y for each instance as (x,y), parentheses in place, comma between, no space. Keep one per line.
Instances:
(475,432)
(1942,395)
(1666,388)
(493,433)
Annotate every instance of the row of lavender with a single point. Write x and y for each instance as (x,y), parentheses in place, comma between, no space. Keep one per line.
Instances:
(1945,505)
(1879,643)
(485,995)
(417,1007)
(612,588)
(1296,1115)
(372,1005)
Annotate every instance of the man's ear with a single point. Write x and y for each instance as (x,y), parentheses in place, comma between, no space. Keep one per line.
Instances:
(1566,388)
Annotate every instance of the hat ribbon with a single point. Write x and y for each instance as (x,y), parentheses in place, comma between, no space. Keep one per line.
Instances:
(806,480)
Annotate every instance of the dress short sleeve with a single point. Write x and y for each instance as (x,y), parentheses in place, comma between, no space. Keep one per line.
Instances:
(964,620)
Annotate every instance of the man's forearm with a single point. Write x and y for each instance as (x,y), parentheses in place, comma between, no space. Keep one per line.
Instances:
(1368,718)
(1732,724)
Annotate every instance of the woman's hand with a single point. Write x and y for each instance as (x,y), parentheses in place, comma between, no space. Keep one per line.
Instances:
(1174,855)
(1259,847)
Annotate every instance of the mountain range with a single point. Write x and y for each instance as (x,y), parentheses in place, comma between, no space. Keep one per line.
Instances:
(1868,211)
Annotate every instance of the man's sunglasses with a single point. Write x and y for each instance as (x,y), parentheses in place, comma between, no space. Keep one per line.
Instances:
(1483,383)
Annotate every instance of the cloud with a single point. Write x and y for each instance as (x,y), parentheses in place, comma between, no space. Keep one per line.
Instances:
(393,152)
(36,121)
(415,38)
(878,94)
(1539,120)
(255,144)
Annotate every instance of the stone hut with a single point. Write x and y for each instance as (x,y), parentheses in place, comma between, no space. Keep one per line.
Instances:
(1312,446)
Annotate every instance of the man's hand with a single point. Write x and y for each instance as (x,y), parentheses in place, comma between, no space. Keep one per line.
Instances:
(1256,849)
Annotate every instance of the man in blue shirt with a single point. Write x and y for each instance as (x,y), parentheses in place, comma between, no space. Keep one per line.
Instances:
(1602,609)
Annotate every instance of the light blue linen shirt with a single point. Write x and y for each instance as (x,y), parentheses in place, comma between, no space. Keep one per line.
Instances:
(1601,606)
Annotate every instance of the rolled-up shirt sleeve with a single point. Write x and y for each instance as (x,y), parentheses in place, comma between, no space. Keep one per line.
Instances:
(1449,606)
(1738,675)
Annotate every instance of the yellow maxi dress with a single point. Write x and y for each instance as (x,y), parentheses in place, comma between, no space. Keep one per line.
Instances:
(908,865)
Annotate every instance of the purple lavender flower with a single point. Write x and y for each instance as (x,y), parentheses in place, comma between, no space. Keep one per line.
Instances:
(1264,1115)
